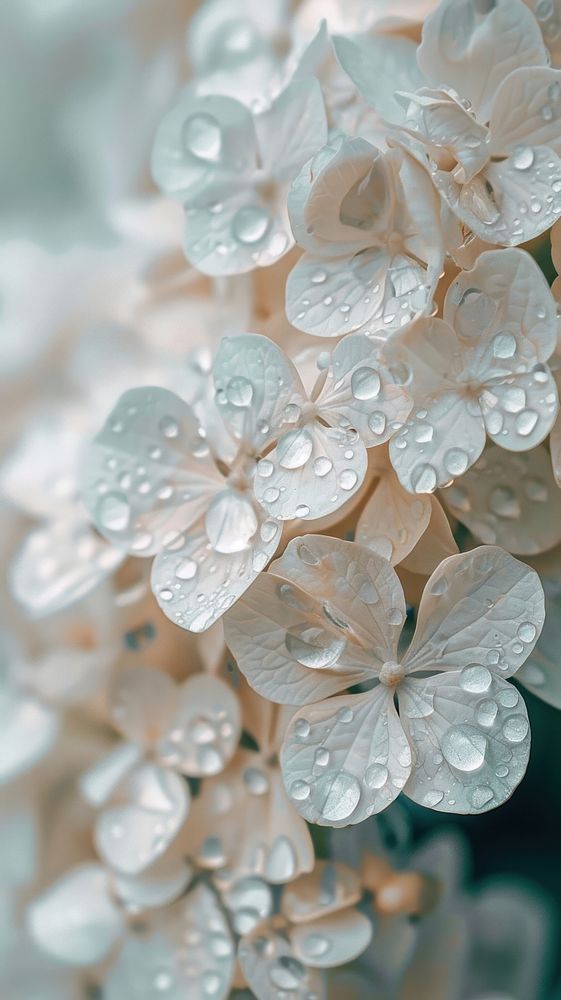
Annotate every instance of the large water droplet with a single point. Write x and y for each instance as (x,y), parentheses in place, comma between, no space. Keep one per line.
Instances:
(338,795)
(314,647)
(504,345)
(251,224)
(464,747)
(202,137)
(515,728)
(424,479)
(230,522)
(295,448)
(114,512)
(475,678)
(376,776)
(481,795)
(456,461)
(365,383)
(523,158)
(322,466)
(239,391)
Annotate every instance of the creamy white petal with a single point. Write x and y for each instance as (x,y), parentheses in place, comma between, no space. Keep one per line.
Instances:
(293,129)
(76,920)
(481,607)
(473,46)
(141,703)
(526,112)
(333,940)
(149,808)
(203,571)
(346,758)
(204,728)
(270,966)
(510,500)
(148,473)
(379,65)
(471,750)
(519,412)
(393,520)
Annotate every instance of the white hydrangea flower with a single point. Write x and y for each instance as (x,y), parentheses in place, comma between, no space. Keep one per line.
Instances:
(232,169)
(370,225)
(487,126)
(479,371)
(170,731)
(548,14)
(153,486)
(242,819)
(318,928)
(329,615)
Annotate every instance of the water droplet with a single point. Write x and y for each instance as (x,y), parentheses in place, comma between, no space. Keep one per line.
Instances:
(114,512)
(348,479)
(486,713)
(169,427)
(475,678)
(527,632)
(322,466)
(504,345)
(546,113)
(508,697)
(302,510)
(337,795)
(239,391)
(481,795)
(377,422)
(256,781)
(523,158)
(501,771)
(525,422)
(287,973)
(230,522)
(202,137)
(302,729)
(295,448)
(515,728)
(423,433)
(424,479)
(321,757)
(186,569)
(503,502)
(464,747)
(314,647)
(281,863)
(316,945)
(300,790)
(376,776)
(432,798)
(271,494)
(345,715)
(251,224)
(319,276)
(365,383)
(456,461)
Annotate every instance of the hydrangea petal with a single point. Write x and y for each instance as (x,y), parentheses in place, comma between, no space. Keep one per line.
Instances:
(331,887)
(157,959)
(379,65)
(204,728)
(161,884)
(473,46)
(312,471)
(255,383)
(436,544)
(356,586)
(346,758)
(439,443)
(141,703)
(520,412)
(333,940)
(76,920)
(541,673)
(201,573)
(509,500)
(480,607)
(28,732)
(150,806)
(203,142)
(508,202)
(98,783)
(471,751)
(526,111)
(393,520)
(359,392)
(60,563)
(270,966)
(504,312)
(286,645)
(292,129)
(148,472)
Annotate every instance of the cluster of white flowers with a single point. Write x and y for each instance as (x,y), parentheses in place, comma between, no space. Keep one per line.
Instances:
(372,188)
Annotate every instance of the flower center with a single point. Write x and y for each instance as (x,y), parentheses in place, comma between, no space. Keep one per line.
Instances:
(391,673)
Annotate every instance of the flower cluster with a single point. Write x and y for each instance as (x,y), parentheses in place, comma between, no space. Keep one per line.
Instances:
(280,500)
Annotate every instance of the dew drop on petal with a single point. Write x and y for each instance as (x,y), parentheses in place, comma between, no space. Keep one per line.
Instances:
(239,391)
(376,776)
(339,795)
(169,427)
(525,422)
(202,137)
(377,422)
(424,479)
(486,712)
(464,747)
(251,224)
(348,479)
(322,466)
(300,790)
(475,678)
(432,798)
(365,383)
(523,158)
(456,461)
(114,512)
(504,345)
(527,632)
(315,648)
(295,448)
(515,728)
(481,795)
(302,729)
(186,569)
